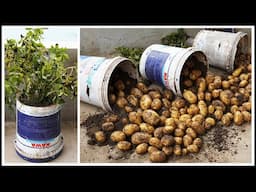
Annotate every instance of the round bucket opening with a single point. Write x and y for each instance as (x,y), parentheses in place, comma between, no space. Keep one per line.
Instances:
(241,49)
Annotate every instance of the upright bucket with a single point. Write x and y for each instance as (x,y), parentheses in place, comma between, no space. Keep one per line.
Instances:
(163,65)
(221,48)
(38,132)
(95,75)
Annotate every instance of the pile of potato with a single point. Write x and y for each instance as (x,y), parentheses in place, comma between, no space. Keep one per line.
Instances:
(162,125)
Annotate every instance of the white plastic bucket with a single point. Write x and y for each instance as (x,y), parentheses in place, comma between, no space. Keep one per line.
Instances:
(221,48)
(95,74)
(163,64)
(38,132)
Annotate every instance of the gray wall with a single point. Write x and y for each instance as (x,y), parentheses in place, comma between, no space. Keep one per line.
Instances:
(69,111)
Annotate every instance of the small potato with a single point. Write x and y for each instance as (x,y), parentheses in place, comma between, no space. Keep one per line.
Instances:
(128,109)
(179,132)
(140,137)
(145,102)
(203,110)
(120,93)
(198,118)
(225,84)
(141,86)
(198,127)
(124,121)
(168,129)
(184,117)
(167,140)
(209,78)
(234,108)
(183,111)
(208,96)
(177,150)
(188,82)
(167,150)
(190,96)
(159,132)
(230,115)
(187,140)
(198,142)
(119,85)
(209,122)
(218,114)
(132,100)
(141,148)
(217,82)
(193,109)
(154,141)
(162,120)
(121,102)
(124,145)
(144,127)
(108,126)
(185,151)
(179,103)
(200,95)
(238,118)
(117,136)
(218,105)
(139,111)
(216,93)
(237,72)
(171,122)
(151,117)
(135,118)
(100,136)
(234,101)
(112,118)
(246,116)
(136,92)
(156,104)
(226,121)
(182,125)
(155,94)
(112,98)
(191,132)
(175,114)
(211,87)
(201,83)
(166,103)
(247,105)
(193,148)
(249,67)
(130,129)
(178,140)
(195,74)
(244,76)
(243,83)
(166,113)
(152,149)
(168,94)
(225,96)
(157,156)
(211,109)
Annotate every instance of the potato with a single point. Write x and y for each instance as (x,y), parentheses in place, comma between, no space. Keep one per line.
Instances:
(120,93)
(154,141)
(234,108)
(121,102)
(249,67)
(112,98)
(117,136)
(141,86)
(211,109)
(208,96)
(167,140)
(108,126)
(179,103)
(244,76)
(136,92)
(211,87)
(184,151)
(156,104)
(155,94)
(209,122)
(100,136)
(193,109)
(183,111)
(193,148)
(151,117)
(226,121)
(167,150)
(216,93)
(139,111)
(198,127)
(157,156)
(144,127)
(145,102)
(135,118)
(132,100)
(152,149)
(200,95)
(119,85)
(195,74)
(191,132)
(209,78)
(171,122)
(203,110)
(188,83)
(234,101)
(238,118)
(124,121)
(218,105)
(182,125)
(112,118)
(178,140)
(241,109)
(198,142)
(218,114)
(189,96)
(201,83)
(175,114)
(159,132)
(217,82)
(225,84)
(243,83)
(237,72)
(124,145)
(130,129)
(198,118)
(162,120)
(230,115)
(179,132)
(168,94)
(177,150)
(184,117)
(128,109)
(166,103)
(247,105)
(141,148)
(168,129)
(187,140)
(140,137)
(246,116)
(166,113)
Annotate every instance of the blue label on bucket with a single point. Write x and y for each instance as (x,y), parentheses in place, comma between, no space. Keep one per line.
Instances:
(38,128)
(93,71)
(154,66)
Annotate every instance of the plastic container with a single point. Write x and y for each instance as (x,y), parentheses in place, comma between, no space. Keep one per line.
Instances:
(221,48)
(163,65)
(95,75)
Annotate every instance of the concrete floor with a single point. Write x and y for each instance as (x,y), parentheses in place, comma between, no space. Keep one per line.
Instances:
(68,155)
